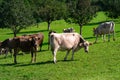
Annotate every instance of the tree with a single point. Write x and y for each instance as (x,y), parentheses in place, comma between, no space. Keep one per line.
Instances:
(81,12)
(112,8)
(50,10)
(16,15)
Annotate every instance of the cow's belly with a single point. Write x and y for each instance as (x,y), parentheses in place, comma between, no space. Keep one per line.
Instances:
(65,47)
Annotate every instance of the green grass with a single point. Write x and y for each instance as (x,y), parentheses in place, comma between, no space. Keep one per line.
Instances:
(101,63)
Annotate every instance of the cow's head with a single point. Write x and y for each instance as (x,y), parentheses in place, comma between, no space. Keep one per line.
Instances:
(37,41)
(2,50)
(34,43)
(85,45)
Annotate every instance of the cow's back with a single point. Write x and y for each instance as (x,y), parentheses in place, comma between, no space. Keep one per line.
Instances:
(105,28)
(64,40)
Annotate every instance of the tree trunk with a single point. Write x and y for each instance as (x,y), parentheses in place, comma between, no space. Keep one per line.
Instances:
(48,25)
(80,29)
(14,34)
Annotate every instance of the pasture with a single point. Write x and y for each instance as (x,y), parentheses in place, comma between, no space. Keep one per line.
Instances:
(101,63)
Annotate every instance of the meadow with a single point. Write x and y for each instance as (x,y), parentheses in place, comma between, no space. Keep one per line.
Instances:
(101,63)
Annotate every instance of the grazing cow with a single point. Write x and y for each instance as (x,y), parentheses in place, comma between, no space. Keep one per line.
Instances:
(104,28)
(23,43)
(68,30)
(67,41)
(49,37)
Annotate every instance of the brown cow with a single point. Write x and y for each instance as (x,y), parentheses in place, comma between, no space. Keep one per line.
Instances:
(23,43)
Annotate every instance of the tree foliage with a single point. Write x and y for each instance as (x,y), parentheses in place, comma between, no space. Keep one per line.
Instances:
(112,8)
(15,14)
(81,12)
(50,10)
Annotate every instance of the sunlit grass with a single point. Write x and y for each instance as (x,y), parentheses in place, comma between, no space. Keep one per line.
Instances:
(101,63)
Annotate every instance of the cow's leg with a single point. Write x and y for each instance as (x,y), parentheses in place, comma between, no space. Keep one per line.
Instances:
(72,58)
(15,54)
(104,37)
(10,50)
(6,53)
(109,37)
(34,56)
(96,38)
(41,45)
(54,55)
(48,42)
(113,36)
(32,60)
(66,55)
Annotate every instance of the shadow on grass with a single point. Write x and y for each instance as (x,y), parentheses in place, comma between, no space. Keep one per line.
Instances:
(89,37)
(38,63)
(26,64)
(27,32)
(42,63)
(117,32)
(97,23)
(3,57)
(67,60)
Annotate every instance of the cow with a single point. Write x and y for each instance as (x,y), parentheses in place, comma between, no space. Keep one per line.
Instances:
(23,43)
(105,28)
(67,42)
(68,30)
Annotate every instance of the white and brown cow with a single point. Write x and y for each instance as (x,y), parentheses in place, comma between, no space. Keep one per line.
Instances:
(104,28)
(67,42)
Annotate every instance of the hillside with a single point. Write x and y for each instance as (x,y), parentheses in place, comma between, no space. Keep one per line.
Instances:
(101,63)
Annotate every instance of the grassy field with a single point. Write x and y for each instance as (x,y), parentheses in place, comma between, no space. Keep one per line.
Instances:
(101,63)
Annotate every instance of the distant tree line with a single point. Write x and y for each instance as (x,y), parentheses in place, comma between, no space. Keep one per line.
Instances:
(19,14)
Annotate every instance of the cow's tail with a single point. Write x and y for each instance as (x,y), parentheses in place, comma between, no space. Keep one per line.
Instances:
(51,41)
